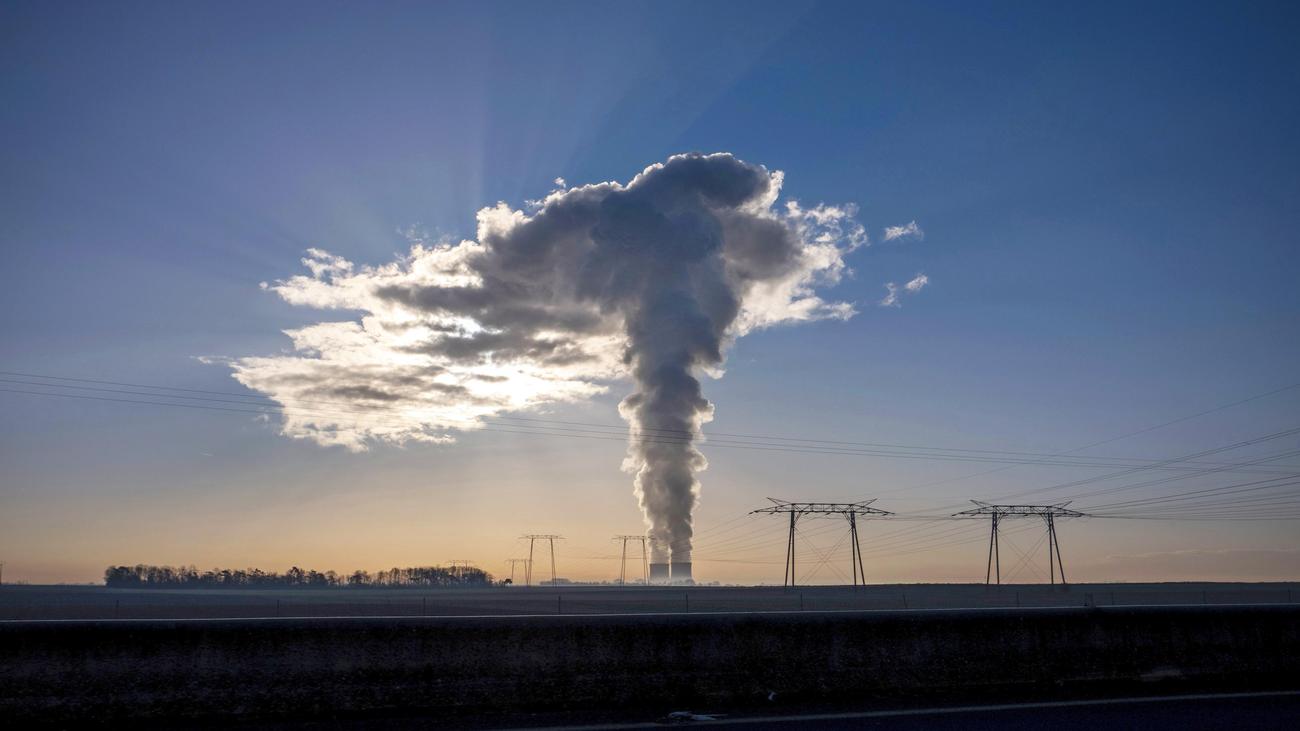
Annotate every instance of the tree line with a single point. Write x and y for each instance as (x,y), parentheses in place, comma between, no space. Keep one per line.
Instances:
(188,577)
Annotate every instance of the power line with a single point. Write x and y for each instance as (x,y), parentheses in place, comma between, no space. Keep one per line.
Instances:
(1131,470)
(1172,460)
(1232,489)
(655,435)
(269,409)
(1126,435)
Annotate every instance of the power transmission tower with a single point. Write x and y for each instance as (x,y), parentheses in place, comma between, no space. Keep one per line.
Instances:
(1049,514)
(533,538)
(645,560)
(851,511)
(513,562)
(458,567)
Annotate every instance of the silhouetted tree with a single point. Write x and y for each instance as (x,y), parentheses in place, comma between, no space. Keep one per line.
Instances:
(162,577)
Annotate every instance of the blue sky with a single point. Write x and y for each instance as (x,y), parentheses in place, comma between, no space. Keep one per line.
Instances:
(1109,195)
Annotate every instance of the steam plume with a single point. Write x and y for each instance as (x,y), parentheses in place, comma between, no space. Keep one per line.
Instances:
(649,280)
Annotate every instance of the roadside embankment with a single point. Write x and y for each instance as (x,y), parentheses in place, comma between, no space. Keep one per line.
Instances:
(106,670)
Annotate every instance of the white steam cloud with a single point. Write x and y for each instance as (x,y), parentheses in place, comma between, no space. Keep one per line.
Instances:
(649,280)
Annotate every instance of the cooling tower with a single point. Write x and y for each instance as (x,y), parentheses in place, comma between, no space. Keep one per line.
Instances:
(681,572)
(659,573)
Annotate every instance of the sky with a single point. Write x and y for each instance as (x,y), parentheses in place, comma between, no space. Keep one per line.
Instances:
(1081,224)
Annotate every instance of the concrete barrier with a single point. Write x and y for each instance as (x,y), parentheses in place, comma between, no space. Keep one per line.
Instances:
(311,667)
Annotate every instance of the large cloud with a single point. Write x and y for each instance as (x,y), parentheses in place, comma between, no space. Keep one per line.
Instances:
(649,280)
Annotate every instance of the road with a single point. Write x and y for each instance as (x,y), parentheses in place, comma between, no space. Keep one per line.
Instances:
(1237,711)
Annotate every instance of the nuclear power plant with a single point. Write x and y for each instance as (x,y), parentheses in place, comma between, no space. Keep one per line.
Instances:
(674,572)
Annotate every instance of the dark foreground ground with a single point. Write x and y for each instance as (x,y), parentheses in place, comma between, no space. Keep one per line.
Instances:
(610,669)
(97,602)
(1189,712)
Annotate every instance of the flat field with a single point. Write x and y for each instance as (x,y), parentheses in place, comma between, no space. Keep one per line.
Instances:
(26,602)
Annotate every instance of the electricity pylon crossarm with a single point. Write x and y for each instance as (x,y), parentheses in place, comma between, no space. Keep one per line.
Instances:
(851,511)
(997,513)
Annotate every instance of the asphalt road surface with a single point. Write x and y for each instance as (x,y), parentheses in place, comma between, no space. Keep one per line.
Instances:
(1203,712)
(1234,711)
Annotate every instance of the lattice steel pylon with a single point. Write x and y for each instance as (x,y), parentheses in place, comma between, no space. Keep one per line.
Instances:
(645,559)
(514,562)
(851,511)
(459,566)
(1049,514)
(533,538)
